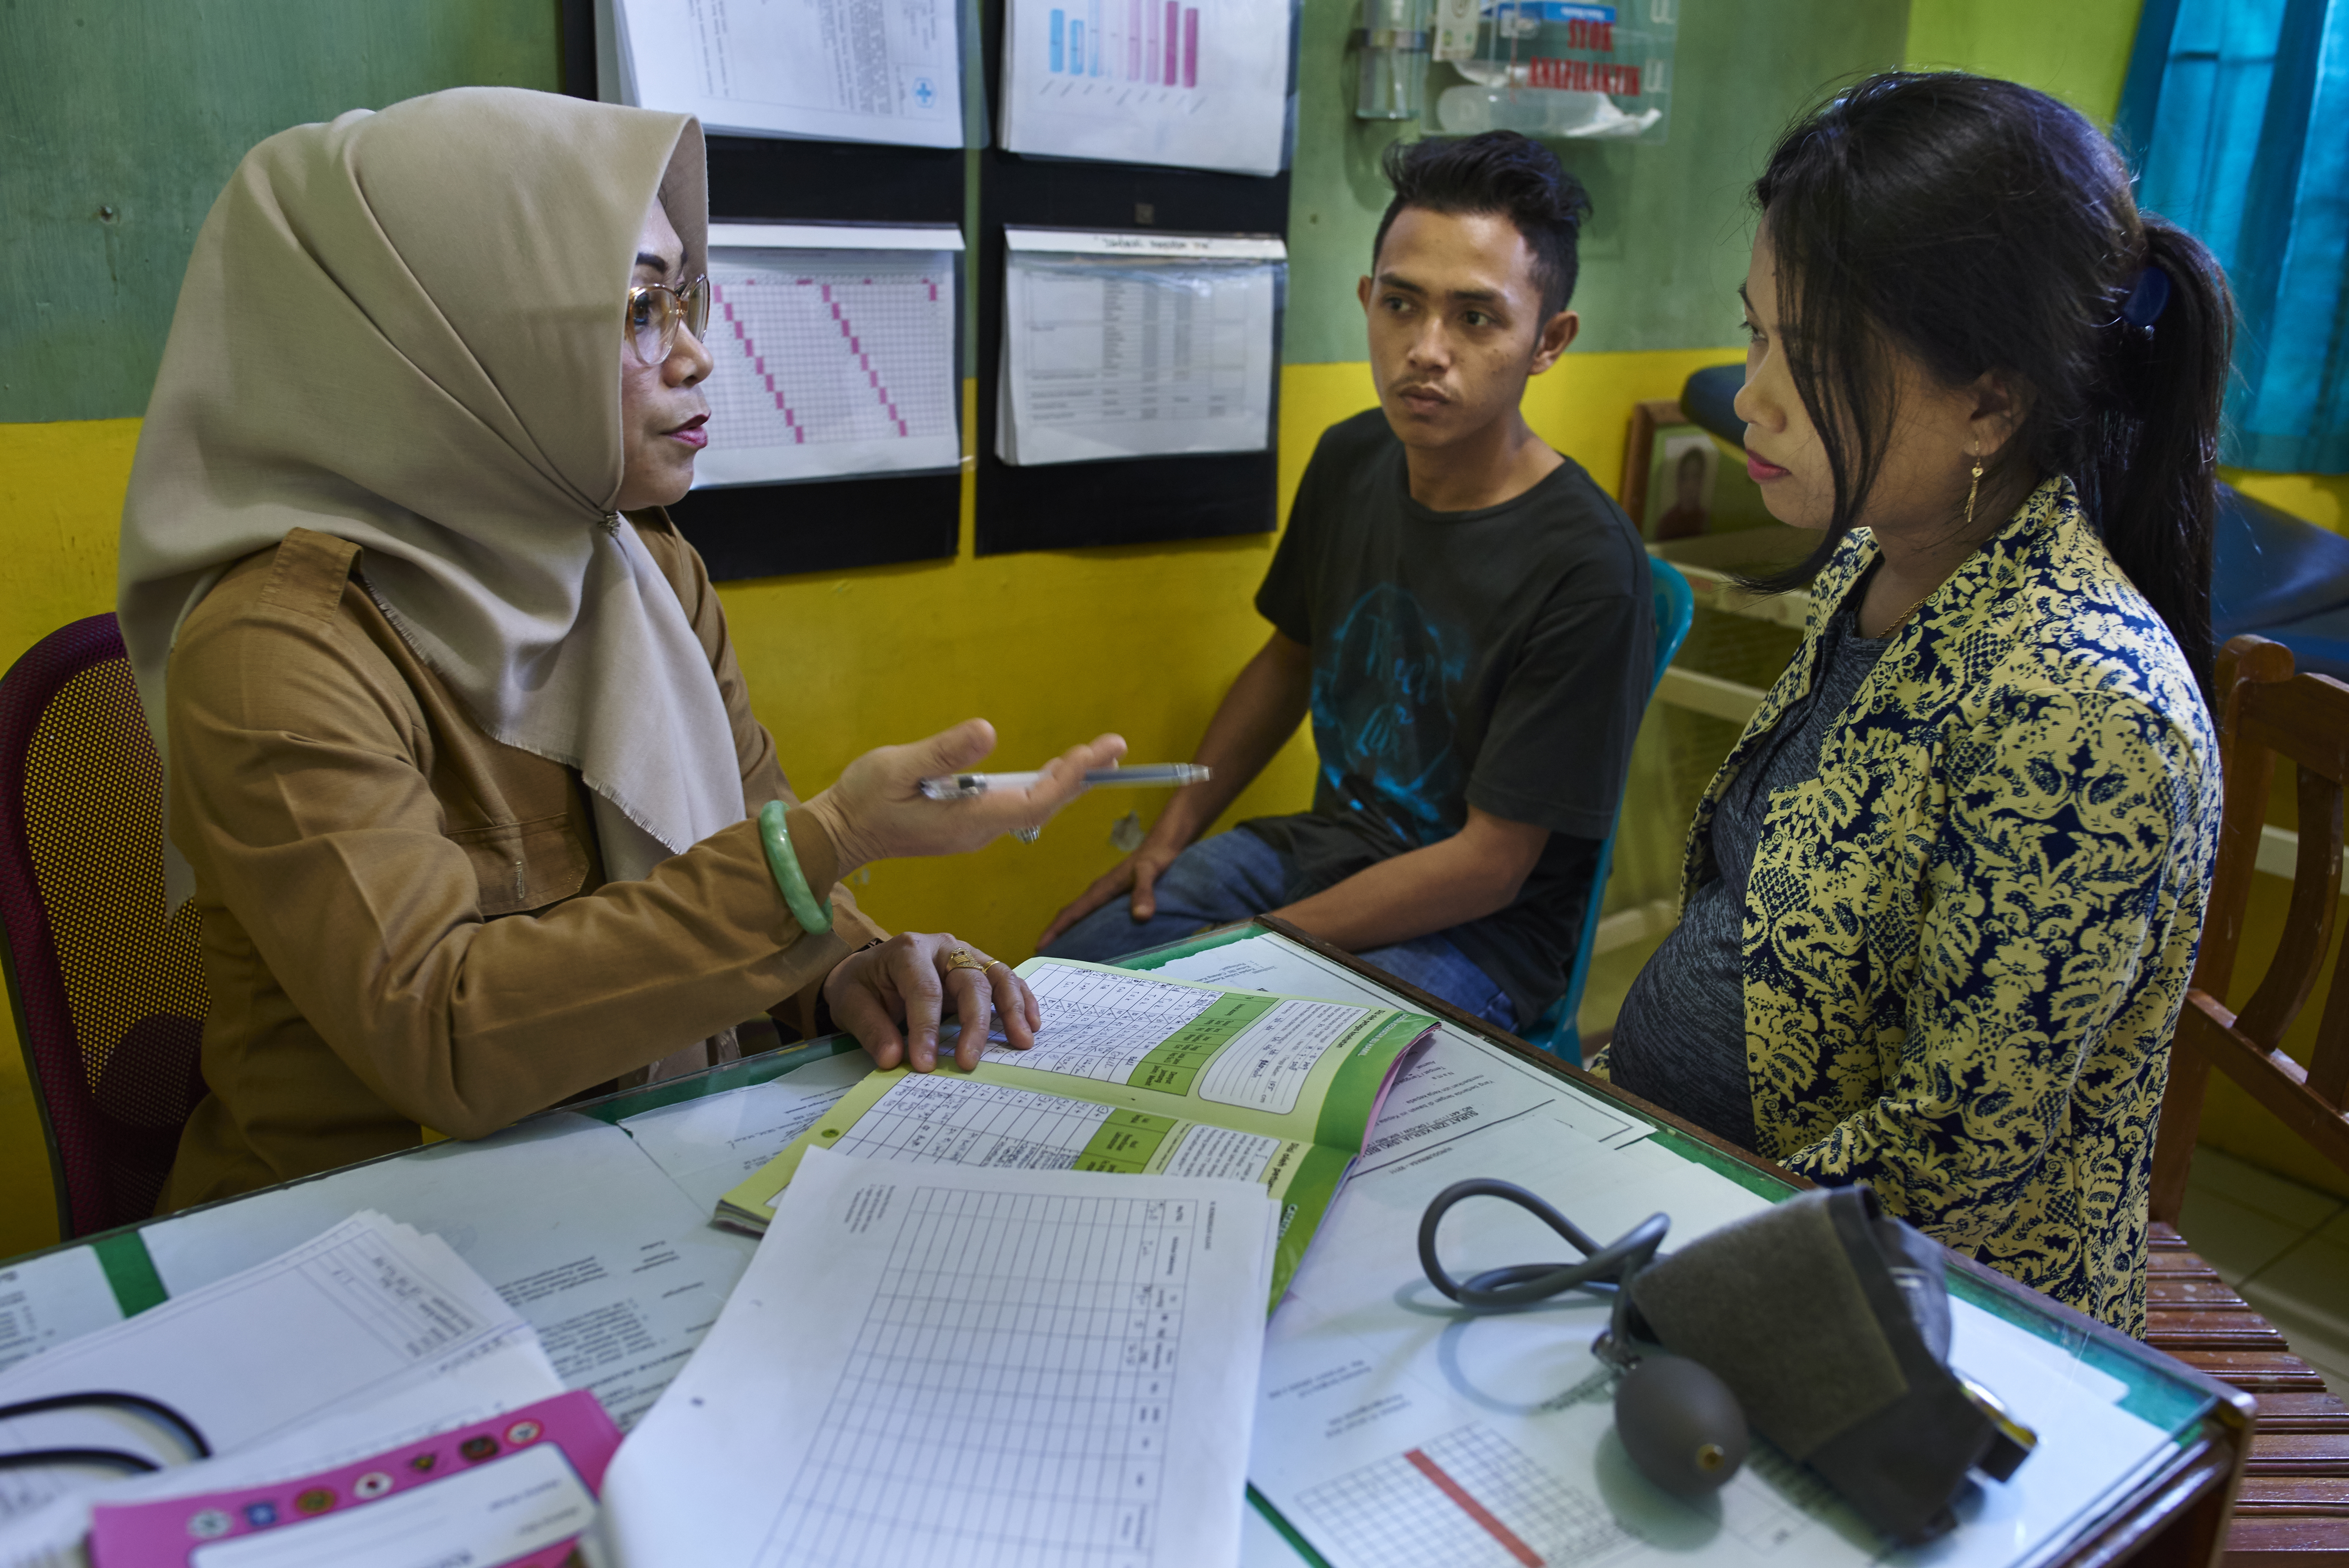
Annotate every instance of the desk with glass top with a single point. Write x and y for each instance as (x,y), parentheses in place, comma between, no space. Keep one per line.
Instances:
(1389,1425)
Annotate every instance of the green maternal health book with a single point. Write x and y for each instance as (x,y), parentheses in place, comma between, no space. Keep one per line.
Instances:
(1137,1073)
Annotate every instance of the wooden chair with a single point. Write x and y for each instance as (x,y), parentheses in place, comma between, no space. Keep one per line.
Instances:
(2293,1507)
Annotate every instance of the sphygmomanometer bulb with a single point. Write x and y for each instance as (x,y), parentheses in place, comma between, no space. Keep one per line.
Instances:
(1681,1425)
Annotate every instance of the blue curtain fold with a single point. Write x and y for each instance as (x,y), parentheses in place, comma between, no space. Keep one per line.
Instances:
(2235,113)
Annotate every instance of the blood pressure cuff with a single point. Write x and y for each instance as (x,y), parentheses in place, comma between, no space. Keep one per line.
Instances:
(1829,1320)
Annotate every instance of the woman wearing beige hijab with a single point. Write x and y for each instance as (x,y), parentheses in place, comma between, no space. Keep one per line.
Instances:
(463,774)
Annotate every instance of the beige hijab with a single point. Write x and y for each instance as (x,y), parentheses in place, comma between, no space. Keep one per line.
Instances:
(403,329)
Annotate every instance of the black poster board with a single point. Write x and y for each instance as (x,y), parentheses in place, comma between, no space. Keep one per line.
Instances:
(1131,501)
(822,525)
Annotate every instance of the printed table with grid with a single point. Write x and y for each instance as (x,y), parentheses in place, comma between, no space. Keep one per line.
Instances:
(1469,1498)
(850,350)
(1100,1024)
(955,1121)
(1008,1400)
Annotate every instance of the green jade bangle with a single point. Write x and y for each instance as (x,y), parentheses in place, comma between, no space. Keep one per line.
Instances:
(798,896)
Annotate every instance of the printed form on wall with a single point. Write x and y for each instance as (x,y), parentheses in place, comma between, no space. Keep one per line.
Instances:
(1125,344)
(1198,84)
(832,351)
(836,70)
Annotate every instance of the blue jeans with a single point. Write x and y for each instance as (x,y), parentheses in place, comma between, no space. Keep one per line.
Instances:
(1234,875)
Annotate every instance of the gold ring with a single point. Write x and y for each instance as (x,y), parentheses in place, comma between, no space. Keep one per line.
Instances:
(963,958)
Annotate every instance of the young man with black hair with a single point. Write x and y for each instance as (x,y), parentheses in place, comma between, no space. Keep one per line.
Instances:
(1463,613)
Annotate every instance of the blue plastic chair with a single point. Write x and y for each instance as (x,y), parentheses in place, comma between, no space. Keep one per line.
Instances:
(1557,1031)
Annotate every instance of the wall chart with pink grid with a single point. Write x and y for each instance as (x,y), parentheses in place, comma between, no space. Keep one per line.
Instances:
(832,350)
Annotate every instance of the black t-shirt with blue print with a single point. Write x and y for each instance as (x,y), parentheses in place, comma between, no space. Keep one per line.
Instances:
(1497,658)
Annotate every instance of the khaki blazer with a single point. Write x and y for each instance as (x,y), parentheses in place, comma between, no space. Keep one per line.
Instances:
(406,923)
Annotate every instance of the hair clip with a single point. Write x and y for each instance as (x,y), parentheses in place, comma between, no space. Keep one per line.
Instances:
(2148,296)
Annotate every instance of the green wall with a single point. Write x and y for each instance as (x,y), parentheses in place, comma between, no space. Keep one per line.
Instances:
(1666,244)
(2078,50)
(142,111)
(119,123)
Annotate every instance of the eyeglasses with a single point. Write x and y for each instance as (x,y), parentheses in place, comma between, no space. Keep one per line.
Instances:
(656,309)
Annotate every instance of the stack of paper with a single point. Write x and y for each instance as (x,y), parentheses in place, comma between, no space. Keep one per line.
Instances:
(620,1272)
(365,1335)
(838,70)
(1200,84)
(1137,1074)
(1125,344)
(986,1367)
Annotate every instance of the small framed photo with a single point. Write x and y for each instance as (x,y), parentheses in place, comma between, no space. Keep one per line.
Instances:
(1683,466)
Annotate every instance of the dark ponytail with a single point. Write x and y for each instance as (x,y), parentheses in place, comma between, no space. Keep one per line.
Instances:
(1981,226)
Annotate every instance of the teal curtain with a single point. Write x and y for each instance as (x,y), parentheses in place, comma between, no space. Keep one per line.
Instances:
(2236,115)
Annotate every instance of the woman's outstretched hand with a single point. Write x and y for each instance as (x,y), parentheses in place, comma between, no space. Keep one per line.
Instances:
(893,996)
(876,811)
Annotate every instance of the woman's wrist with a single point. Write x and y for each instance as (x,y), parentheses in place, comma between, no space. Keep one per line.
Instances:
(803,865)
(826,823)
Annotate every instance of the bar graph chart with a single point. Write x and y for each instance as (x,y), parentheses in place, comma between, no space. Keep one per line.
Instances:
(1194,83)
(1148,43)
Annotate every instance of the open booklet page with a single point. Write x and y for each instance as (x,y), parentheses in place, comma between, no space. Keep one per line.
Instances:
(1136,1073)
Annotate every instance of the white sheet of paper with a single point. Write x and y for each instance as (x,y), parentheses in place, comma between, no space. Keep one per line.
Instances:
(1199,84)
(620,1272)
(49,1300)
(832,353)
(708,1146)
(498,1374)
(345,1317)
(1111,357)
(1382,1407)
(1008,1366)
(837,70)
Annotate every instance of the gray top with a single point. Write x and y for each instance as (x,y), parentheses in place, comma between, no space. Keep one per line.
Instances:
(1679,1039)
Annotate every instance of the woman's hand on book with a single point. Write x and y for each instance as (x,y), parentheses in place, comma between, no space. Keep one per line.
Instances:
(893,996)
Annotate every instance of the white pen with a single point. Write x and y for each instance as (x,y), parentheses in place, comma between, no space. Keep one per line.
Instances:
(1146,776)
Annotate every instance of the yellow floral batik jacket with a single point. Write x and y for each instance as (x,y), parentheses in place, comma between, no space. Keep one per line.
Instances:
(1966,939)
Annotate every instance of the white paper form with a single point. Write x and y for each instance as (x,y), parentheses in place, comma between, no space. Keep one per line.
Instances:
(619,1270)
(1010,1367)
(1394,1430)
(49,1300)
(1102,1024)
(347,1316)
(833,352)
(1136,345)
(494,1376)
(708,1145)
(1458,1085)
(1199,84)
(837,70)
(926,1120)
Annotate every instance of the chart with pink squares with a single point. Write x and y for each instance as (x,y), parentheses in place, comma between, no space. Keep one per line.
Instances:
(828,363)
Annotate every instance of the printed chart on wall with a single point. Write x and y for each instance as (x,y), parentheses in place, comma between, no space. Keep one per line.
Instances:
(838,70)
(1136,344)
(833,351)
(1198,84)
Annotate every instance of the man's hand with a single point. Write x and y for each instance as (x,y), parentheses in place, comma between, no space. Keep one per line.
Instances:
(892,998)
(1137,874)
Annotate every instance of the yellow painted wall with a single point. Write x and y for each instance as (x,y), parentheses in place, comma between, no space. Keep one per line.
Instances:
(2078,51)
(1053,647)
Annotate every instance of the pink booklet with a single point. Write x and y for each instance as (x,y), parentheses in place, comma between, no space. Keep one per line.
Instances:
(517,1488)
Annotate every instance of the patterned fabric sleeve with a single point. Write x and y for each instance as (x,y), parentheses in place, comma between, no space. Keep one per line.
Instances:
(2062,901)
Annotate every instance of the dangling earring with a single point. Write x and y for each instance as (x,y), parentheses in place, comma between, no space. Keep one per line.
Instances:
(1973,487)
